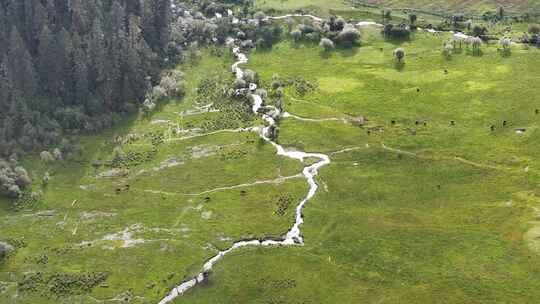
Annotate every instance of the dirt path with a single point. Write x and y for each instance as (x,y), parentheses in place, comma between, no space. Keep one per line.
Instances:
(276,181)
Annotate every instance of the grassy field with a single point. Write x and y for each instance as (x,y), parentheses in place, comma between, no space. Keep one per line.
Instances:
(478,6)
(412,209)
(438,6)
(413,213)
(149,229)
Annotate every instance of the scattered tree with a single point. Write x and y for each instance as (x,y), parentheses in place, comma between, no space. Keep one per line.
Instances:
(413,18)
(259,16)
(46,157)
(476,44)
(296,35)
(479,31)
(401,31)
(399,54)
(506,43)
(534,29)
(57,154)
(13,178)
(251,76)
(447,50)
(326,44)
(349,36)
(5,250)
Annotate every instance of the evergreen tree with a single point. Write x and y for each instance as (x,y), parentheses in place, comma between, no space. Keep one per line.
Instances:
(96,54)
(75,63)
(21,69)
(46,60)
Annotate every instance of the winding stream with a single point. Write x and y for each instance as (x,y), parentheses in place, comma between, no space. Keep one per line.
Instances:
(293,236)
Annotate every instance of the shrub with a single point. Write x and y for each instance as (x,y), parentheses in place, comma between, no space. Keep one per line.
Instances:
(306,29)
(447,50)
(476,43)
(13,179)
(396,32)
(312,36)
(5,250)
(46,157)
(479,31)
(336,24)
(276,82)
(172,84)
(399,54)
(506,43)
(349,36)
(534,29)
(259,16)
(412,18)
(261,92)
(57,154)
(148,105)
(251,76)
(240,84)
(21,177)
(46,178)
(296,35)
(247,44)
(260,43)
(326,44)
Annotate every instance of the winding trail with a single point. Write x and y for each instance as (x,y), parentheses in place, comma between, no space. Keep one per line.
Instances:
(451,158)
(210,133)
(293,236)
(276,181)
(287,115)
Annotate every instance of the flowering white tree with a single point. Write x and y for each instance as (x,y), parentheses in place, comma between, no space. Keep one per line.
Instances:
(447,50)
(506,43)
(399,54)
(476,44)
(326,44)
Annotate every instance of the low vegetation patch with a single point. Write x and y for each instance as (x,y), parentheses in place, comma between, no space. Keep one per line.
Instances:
(59,285)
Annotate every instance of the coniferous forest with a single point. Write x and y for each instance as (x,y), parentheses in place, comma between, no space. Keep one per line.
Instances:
(75,65)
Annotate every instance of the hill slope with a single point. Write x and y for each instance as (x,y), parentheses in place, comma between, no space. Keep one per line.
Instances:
(438,6)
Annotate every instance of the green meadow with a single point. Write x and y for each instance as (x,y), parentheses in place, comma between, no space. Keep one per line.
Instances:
(433,200)
(413,208)
(153,224)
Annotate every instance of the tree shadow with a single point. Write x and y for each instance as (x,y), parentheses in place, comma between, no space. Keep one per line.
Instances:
(399,65)
(264,49)
(325,54)
(396,41)
(348,51)
(506,53)
(302,43)
(478,53)
(474,53)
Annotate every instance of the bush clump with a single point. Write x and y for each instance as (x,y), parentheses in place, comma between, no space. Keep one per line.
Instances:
(401,31)
(5,250)
(61,284)
(326,44)
(349,36)
(13,178)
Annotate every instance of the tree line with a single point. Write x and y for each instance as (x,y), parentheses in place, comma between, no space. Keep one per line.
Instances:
(75,65)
